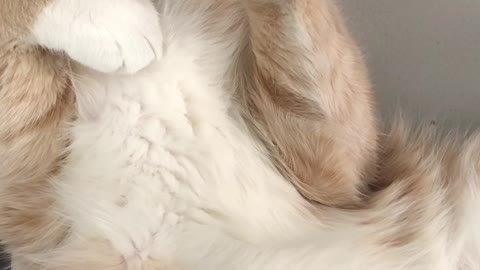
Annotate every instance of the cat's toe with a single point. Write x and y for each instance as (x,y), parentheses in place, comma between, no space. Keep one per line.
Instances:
(139,47)
(125,50)
(138,40)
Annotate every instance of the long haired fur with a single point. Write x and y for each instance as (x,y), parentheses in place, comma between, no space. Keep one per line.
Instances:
(251,143)
(36,104)
(308,97)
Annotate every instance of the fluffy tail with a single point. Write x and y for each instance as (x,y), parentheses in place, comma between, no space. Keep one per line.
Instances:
(426,195)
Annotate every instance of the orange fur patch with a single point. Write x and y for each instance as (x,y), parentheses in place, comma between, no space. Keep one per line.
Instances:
(16,17)
(307,96)
(36,103)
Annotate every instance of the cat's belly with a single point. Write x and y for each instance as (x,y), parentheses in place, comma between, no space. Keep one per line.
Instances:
(159,157)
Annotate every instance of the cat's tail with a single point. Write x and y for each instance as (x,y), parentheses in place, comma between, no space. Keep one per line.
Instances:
(426,197)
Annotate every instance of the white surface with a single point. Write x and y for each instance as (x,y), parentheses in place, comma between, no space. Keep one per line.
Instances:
(424,55)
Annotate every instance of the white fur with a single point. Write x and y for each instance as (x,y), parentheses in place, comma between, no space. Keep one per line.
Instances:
(106,35)
(163,169)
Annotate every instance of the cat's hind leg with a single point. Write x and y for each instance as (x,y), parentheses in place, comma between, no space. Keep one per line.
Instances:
(310,98)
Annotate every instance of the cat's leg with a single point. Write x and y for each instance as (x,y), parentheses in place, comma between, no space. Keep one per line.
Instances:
(310,99)
(36,105)
(106,35)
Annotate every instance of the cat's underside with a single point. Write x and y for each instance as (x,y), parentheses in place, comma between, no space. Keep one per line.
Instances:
(248,142)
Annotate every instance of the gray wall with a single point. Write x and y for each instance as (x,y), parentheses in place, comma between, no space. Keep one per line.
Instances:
(424,56)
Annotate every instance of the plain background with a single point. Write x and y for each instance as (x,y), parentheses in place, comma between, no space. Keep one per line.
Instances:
(424,56)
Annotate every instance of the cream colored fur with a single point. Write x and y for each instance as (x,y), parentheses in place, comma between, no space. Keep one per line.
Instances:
(250,142)
(36,102)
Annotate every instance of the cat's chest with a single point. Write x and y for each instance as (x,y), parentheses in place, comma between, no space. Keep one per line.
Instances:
(158,134)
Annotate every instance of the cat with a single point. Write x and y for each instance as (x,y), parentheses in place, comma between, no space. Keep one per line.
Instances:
(249,141)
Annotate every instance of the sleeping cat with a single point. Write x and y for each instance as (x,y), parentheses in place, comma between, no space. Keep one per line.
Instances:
(243,136)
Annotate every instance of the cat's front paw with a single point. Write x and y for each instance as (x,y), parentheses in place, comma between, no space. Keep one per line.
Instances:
(105,35)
